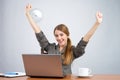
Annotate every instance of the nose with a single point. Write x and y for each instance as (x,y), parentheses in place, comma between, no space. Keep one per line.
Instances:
(59,37)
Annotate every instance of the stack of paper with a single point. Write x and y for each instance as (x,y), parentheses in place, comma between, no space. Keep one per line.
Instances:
(12,74)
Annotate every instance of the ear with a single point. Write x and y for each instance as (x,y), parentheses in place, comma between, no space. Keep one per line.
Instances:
(68,36)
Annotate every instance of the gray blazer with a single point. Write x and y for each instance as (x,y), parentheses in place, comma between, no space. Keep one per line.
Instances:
(52,48)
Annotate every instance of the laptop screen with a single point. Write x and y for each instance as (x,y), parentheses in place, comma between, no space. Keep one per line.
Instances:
(43,65)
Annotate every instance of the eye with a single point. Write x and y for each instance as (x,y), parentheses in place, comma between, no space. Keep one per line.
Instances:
(61,34)
(56,35)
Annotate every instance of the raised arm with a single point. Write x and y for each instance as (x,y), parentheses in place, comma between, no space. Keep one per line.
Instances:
(89,34)
(31,21)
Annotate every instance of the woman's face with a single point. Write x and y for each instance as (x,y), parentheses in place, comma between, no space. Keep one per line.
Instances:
(61,38)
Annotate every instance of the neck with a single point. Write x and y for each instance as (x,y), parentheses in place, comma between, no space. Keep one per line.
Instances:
(61,47)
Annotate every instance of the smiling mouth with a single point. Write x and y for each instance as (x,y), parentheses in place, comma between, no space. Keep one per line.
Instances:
(60,42)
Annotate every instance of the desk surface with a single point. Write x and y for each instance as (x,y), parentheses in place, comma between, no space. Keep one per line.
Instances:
(69,77)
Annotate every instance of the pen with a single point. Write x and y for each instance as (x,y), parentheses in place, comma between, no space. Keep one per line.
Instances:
(11,73)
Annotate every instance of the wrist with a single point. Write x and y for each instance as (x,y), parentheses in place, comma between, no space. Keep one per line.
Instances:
(27,14)
(97,23)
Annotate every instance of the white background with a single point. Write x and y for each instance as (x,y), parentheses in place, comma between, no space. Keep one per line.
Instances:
(17,37)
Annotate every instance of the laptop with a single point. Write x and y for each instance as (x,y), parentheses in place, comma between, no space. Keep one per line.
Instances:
(43,65)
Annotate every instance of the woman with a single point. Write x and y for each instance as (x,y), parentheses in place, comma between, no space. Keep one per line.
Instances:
(64,46)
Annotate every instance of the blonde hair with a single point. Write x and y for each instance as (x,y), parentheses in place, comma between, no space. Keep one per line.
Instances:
(67,56)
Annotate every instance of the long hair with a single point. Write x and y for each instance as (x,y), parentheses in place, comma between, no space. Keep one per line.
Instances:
(67,55)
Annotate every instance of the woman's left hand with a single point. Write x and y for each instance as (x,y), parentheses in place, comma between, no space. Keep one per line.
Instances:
(99,17)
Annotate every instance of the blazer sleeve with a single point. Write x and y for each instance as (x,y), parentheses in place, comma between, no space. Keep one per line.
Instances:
(79,50)
(42,40)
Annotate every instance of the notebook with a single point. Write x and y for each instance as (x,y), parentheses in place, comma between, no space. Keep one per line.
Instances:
(43,65)
(12,74)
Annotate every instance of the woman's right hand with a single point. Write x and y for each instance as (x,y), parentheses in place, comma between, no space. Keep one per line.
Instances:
(31,21)
(28,8)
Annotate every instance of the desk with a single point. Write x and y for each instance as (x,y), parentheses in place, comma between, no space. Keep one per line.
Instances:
(69,77)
